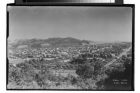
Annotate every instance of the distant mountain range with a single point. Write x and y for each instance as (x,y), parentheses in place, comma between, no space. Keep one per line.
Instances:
(50,42)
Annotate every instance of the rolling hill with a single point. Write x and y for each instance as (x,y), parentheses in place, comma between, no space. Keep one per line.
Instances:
(50,42)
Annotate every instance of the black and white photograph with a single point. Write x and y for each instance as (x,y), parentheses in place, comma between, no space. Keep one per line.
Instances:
(70,48)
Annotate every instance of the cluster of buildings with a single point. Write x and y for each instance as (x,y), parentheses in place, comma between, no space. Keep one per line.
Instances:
(63,53)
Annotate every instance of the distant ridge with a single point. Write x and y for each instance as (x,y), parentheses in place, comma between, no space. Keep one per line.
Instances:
(53,42)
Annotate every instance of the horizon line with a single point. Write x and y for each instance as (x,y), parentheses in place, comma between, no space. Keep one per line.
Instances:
(63,38)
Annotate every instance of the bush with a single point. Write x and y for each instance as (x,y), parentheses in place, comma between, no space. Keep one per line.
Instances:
(14,75)
(85,71)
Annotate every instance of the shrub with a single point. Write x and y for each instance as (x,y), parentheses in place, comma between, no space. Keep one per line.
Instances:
(85,71)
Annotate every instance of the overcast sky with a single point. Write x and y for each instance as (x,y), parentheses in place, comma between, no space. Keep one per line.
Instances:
(90,23)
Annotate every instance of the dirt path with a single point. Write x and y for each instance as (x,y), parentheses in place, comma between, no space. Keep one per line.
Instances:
(114,60)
